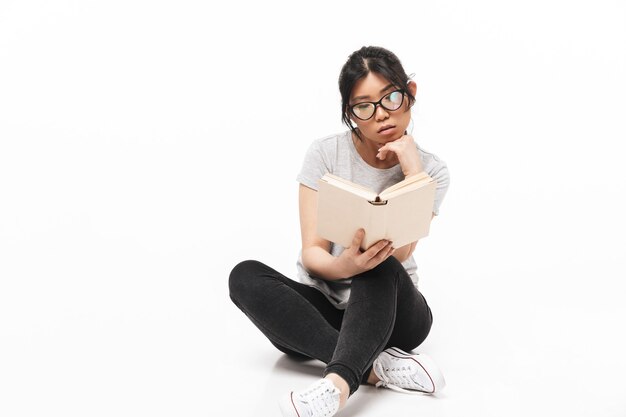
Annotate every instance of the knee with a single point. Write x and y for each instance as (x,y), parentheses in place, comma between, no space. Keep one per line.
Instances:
(391,266)
(417,334)
(390,269)
(240,280)
(383,280)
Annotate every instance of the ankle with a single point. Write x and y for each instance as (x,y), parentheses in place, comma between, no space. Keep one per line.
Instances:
(342,386)
(372,378)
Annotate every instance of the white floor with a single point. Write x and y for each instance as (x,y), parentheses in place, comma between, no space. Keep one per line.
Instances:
(170,343)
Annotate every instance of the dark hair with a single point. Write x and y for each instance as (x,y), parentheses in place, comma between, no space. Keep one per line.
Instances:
(360,63)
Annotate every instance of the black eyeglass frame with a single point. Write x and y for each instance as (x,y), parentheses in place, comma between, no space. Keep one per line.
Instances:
(378,103)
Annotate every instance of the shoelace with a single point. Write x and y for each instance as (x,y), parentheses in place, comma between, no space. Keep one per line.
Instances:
(320,401)
(396,378)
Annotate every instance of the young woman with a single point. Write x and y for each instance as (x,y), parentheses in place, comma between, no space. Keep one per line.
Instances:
(359,312)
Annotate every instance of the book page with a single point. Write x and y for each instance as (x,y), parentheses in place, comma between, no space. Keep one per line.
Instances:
(410,214)
(410,183)
(340,214)
(377,226)
(349,186)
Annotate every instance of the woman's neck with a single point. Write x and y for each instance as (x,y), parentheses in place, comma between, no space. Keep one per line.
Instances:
(368,149)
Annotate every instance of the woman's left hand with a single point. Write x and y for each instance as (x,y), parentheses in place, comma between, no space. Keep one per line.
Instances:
(407,154)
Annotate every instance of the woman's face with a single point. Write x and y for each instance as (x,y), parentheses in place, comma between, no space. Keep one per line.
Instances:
(385,126)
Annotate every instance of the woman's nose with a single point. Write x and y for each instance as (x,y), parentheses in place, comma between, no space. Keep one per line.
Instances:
(381,113)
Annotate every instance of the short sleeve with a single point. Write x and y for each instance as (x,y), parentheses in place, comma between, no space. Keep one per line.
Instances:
(314,166)
(439,172)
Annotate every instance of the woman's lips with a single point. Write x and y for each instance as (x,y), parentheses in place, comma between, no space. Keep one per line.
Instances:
(387,130)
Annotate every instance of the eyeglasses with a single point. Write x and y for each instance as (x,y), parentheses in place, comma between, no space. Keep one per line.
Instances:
(366,109)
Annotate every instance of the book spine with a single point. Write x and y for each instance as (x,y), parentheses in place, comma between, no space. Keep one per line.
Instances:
(377,225)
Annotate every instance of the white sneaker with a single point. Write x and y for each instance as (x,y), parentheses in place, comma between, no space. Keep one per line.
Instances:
(407,372)
(320,399)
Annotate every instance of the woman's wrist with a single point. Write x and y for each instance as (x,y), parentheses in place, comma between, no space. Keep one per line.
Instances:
(341,269)
(412,172)
(322,264)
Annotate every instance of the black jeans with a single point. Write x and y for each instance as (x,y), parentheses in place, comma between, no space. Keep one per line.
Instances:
(385,309)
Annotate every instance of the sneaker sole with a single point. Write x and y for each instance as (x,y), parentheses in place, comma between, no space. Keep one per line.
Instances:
(426,363)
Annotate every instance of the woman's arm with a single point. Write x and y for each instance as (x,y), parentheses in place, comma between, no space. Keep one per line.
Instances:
(411,163)
(316,256)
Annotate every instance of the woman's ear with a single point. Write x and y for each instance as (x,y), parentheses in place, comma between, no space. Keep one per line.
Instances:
(412,87)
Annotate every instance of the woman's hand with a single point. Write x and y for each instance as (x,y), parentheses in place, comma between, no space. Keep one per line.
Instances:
(353,261)
(407,154)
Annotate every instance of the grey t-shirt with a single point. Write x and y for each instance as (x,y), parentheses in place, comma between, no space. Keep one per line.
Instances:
(336,154)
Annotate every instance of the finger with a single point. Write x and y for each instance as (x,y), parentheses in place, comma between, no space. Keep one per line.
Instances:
(389,147)
(394,146)
(376,249)
(357,239)
(388,250)
(381,255)
(391,252)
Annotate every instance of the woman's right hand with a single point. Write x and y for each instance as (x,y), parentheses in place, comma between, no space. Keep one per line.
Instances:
(353,261)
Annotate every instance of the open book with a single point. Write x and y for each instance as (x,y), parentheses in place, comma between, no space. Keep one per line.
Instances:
(400,213)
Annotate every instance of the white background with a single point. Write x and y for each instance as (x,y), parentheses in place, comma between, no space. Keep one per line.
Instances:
(148,146)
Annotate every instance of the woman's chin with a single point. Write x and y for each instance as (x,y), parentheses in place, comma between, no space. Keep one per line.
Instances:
(388,139)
